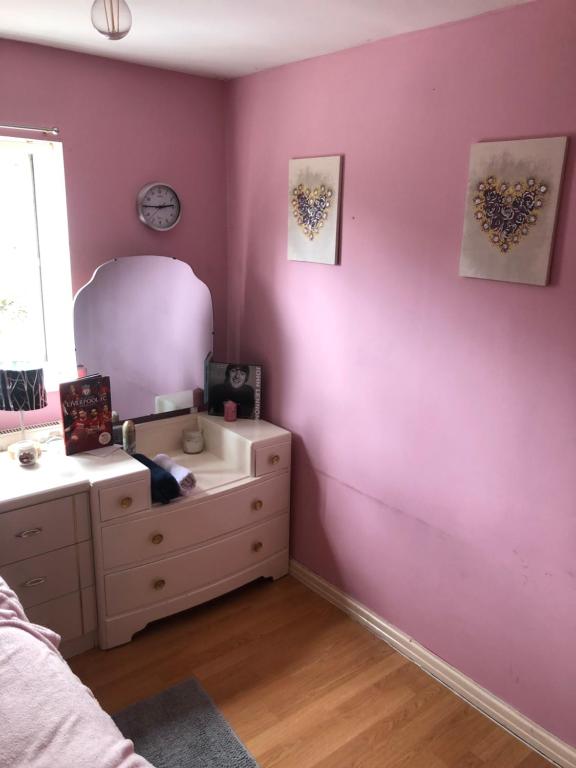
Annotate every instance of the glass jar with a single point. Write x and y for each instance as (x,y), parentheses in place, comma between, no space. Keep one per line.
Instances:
(27,453)
(192,441)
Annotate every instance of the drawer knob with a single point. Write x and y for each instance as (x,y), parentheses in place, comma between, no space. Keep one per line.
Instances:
(29,532)
(157,538)
(126,502)
(34,582)
(257,505)
(159,584)
(274,459)
(257,546)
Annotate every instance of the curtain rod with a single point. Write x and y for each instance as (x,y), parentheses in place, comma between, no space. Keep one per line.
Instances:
(52,131)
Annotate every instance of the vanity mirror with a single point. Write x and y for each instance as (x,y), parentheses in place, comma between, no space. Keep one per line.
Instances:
(146,321)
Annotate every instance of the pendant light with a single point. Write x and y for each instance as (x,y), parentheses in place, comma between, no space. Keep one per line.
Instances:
(112,18)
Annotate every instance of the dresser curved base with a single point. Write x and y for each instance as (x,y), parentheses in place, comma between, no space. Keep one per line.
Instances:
(121,629)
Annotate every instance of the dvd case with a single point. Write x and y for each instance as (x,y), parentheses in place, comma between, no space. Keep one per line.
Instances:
(86,413)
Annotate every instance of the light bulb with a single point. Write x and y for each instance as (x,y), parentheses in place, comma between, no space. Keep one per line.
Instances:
(112,18)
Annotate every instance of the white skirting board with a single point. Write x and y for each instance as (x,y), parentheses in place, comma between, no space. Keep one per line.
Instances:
(501,713)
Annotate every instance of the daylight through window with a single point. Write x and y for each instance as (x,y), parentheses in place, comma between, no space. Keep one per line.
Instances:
(35,281)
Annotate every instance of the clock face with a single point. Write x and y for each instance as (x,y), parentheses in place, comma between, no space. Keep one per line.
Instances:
(158,206)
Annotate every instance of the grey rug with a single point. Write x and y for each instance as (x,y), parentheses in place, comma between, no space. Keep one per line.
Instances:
(182,728)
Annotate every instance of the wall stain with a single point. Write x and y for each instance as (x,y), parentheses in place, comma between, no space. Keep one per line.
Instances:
(394,510)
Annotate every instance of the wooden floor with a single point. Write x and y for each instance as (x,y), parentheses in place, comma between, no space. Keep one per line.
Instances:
(304,686)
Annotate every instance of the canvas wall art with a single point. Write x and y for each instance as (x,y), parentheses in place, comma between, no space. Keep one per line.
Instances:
(511,205)
(313,209)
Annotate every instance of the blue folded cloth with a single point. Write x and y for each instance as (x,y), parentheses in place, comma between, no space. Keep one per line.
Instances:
(163,485)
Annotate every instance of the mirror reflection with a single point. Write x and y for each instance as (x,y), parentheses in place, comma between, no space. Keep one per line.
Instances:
(147,322)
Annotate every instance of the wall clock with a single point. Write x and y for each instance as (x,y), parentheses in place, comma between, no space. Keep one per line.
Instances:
(158,206)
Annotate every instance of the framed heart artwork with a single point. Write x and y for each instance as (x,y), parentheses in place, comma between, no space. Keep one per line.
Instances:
(314,209)
(511,207)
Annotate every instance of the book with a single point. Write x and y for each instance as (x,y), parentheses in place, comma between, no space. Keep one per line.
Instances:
(86,413)
(239,382)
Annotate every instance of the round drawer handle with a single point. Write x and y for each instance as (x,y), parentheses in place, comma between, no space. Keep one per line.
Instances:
(126,502)
(34,582)
(275,459)
(257,505)
(157,538)
(159,584)
(257,546)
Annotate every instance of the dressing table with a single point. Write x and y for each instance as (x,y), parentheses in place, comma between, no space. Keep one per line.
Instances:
(81,543)
(85,549)
(152,560)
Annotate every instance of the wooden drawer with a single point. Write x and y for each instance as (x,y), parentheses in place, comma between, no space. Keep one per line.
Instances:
(124,499)
(30,531)
(271,459)
(63,615)
(186,525)
(154,583)
(43,577)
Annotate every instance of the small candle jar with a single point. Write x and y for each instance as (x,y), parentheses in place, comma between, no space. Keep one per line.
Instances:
(230,410)
(192,441)
(27,453)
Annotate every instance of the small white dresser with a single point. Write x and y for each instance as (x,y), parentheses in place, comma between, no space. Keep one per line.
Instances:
(46,548)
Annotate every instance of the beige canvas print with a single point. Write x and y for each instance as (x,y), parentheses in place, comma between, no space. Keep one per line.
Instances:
(511,204)
(313,209)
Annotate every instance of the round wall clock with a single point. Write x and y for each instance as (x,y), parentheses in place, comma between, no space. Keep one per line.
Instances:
(158,206)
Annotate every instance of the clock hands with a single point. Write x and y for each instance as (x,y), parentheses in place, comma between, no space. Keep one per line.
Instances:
(166,205)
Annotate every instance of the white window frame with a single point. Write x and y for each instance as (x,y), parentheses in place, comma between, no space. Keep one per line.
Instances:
(54,254)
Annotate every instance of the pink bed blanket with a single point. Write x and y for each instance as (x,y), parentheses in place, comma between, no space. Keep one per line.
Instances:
(48,718)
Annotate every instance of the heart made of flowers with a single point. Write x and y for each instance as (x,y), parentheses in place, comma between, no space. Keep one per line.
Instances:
(310,208)
(506,212)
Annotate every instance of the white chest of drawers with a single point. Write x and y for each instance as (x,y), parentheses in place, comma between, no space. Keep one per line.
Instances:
(46,549)
(154,560)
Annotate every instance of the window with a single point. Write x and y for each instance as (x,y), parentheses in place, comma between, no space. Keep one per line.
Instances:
(35,280)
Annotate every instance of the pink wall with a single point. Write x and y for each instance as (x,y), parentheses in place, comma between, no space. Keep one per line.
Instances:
(123,125)
(434,416)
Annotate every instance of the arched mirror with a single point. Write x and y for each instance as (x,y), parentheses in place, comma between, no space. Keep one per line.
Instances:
(145,321)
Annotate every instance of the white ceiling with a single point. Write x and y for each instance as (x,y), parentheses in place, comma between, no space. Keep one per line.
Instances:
(229,38)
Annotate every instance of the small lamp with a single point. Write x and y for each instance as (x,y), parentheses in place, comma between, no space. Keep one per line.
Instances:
(23,390)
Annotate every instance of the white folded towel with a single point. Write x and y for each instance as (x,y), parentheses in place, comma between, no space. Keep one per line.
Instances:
(185,478)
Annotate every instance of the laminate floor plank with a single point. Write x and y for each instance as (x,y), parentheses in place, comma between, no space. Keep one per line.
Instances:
(466,728)
(304,686)
(532,761)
